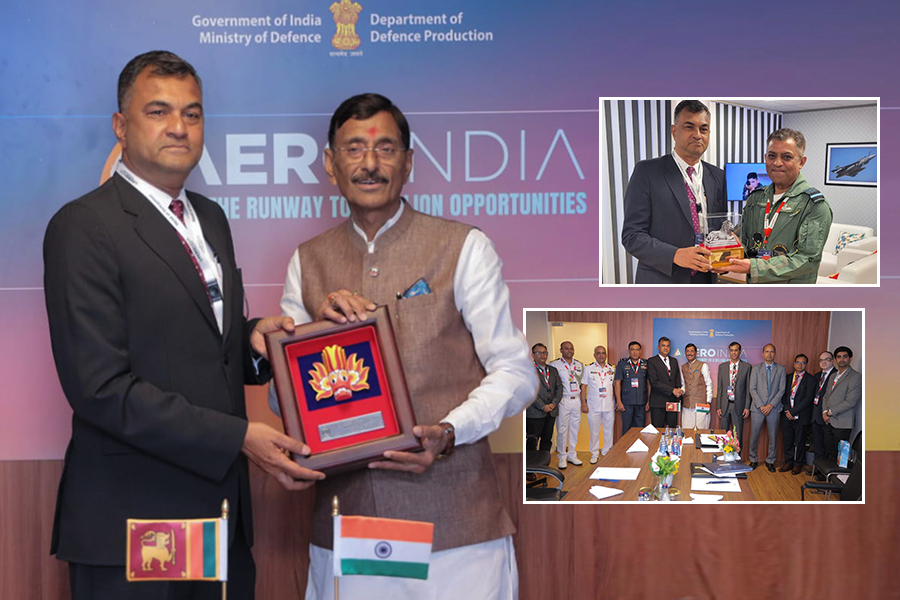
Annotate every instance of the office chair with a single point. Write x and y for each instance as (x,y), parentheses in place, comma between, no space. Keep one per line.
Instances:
(828,467)
(538,462)
(850,490)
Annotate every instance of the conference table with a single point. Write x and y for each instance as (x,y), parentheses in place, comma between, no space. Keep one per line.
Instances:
(578,482)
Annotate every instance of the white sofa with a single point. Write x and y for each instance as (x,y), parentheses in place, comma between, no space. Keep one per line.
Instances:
(829,264)
(858,267)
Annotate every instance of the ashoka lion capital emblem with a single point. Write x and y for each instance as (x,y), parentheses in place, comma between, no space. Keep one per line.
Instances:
(346,14)
(337,375)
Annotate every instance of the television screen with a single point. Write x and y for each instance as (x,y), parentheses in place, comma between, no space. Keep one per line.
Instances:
(742,178)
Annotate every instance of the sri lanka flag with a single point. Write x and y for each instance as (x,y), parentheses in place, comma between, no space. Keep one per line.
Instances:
(386,547)
(188,549)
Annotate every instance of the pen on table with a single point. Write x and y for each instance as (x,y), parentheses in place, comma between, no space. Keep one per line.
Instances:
(715,482)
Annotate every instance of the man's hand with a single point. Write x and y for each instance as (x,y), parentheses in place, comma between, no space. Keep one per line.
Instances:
(434,441)
(693,257)
(552,406)
(678,392)
(826,417)
(548,408)
(737,265)
(766,409)
(266,447)
(343,306)
(268,325)
(620,407)
(746,413)
(719,411)
(788,413)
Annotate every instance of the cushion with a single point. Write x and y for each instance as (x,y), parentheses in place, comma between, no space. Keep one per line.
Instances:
(846,238)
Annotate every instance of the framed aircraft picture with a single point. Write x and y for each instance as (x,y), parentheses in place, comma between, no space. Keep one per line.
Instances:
(851,164)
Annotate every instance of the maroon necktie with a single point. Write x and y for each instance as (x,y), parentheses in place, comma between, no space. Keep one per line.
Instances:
(177,207)
(694,217)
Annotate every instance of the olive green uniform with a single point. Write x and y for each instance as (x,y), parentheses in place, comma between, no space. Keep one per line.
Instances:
(797,238)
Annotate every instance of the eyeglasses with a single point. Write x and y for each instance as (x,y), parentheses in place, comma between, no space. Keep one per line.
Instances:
(356,152)
(543,352)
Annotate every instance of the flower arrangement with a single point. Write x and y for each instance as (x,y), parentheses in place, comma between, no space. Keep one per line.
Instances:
(729,443)
(663,466)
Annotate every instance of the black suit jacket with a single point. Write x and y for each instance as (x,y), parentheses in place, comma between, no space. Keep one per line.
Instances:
(803,399)
(658,221)
(820,395)
(157,392)
(546,395)
(662,383)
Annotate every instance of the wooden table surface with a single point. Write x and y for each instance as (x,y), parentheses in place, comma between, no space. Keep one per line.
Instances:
(578,481)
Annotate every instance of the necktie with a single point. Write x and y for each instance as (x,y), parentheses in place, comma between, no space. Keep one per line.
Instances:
(694,217)
(733,373)
(768,377)
(177,207)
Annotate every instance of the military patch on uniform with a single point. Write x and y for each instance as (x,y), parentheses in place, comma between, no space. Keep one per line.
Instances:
(814,194)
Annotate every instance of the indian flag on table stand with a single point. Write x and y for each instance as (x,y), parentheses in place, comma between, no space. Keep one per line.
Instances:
(386,547)
(187,549)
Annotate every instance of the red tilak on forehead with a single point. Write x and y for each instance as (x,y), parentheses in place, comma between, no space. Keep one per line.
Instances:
(372,131)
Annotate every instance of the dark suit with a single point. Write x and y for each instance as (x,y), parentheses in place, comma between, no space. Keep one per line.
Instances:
(818,423)
(733,412)
(662,384)
(658,221)
(793,432)
(539,424)
(157,391)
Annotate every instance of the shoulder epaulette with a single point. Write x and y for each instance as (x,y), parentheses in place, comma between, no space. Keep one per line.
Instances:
(814,194)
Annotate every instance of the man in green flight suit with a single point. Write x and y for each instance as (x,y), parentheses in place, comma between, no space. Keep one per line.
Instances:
(784,224)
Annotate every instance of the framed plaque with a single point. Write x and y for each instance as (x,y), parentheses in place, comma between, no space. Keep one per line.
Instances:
(342,391)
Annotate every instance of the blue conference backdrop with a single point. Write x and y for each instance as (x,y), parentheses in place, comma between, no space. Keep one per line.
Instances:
(712,336)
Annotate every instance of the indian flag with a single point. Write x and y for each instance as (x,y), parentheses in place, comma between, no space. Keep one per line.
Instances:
(177,550)
(386,547)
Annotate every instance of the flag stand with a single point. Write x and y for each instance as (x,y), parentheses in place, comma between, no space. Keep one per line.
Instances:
(335,511)
(225,510)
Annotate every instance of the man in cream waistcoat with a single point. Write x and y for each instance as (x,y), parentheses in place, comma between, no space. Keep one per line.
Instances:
(467,366)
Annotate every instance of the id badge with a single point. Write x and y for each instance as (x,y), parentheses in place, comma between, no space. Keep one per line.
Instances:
(602,391)
(573,386)
(634,382)
(764,254)
(731,393)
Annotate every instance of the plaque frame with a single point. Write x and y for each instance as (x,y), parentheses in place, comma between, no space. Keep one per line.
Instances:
(284,349)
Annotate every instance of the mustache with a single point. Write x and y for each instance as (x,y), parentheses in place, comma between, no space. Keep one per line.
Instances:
(366,176)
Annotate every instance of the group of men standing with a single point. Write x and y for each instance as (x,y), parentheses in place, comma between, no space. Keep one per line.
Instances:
(765,392)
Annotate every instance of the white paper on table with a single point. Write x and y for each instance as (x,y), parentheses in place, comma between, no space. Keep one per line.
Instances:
(709,449)
(708,439)
(706,497)
(650,429)
(638,446)
(600,492)
(616,473)
(705,484)
(687,441)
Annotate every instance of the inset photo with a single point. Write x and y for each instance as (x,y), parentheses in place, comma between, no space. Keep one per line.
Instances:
(696,406)
(739,191)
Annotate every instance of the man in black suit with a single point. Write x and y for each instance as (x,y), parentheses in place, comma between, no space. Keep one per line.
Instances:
(664,375)
(733,392)
(666,201)
(541,414)
(145,306)
(797,404)
(823,382)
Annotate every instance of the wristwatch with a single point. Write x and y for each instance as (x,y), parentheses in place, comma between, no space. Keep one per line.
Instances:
(449,435)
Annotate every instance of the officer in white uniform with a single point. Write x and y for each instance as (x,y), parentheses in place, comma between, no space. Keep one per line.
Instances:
(569,419)
(597,401)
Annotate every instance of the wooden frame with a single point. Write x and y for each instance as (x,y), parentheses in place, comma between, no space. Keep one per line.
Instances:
(315,392)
